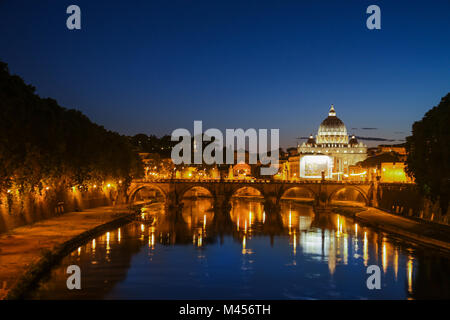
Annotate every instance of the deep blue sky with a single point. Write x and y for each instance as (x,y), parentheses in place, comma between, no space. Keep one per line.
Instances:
(154,66)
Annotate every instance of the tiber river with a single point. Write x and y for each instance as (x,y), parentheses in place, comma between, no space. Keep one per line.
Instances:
(295,255)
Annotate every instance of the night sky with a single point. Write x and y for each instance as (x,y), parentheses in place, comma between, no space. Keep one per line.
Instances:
(154,66)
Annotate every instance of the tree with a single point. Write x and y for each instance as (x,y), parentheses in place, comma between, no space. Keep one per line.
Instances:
(42,143)
(429,153)
(152,144)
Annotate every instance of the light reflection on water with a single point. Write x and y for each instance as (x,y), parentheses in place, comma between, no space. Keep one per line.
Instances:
(252,255)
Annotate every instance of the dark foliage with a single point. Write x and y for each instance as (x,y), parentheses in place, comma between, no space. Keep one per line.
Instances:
(42,143)
(152,144)
(429,153)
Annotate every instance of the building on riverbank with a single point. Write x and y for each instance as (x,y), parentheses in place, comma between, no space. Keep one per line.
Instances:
(330,153)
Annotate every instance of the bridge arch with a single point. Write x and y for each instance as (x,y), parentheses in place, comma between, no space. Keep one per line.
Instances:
(311,193)
(134,191)
(352,187)
(196,187)
(236,190)
(194,210)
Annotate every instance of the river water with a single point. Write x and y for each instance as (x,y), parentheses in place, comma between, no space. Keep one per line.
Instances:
(247,255)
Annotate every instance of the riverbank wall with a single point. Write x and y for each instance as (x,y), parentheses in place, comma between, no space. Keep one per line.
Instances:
(405,200)
(423,232)
(20,209)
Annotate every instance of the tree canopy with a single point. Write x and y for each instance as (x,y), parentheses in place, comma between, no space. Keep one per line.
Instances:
(152,144)
(429,153)
(43,143)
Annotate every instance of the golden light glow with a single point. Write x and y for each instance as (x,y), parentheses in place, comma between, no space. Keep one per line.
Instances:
(107,243)
(356,247)
(118,235)
(332,256)
(358,174)
(384,260)
(410,273)
(151,240)
(394,172)
(396,263)
(295,243)
(290,220)
(366,251)
(345,249)
(200,240)
(339,227)
(375,242)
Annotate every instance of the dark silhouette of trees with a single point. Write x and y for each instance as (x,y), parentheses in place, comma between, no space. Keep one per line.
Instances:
(43,144)
(377,160)
(152,144)
(429,153)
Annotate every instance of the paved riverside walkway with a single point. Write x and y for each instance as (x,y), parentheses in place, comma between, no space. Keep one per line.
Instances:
(23,246)
(428,233)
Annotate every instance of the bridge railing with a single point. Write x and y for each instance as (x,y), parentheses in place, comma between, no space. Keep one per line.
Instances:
(248,181)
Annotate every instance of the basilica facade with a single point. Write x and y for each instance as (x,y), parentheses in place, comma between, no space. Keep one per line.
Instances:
(331,153)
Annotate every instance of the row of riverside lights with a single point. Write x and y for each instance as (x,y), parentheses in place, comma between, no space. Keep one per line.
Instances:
(94,186)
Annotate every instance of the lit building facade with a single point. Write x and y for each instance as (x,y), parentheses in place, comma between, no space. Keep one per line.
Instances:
(394,172)
(333,149)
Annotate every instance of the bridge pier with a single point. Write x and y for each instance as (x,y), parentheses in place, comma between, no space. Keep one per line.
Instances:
(222,221)
(271,205)
(175,216)
(274,223)
(221,203)
(321,201)
(172,201)
(373,193)
(222,218)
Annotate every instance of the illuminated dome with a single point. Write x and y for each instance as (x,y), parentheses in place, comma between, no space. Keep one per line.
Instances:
(332,130)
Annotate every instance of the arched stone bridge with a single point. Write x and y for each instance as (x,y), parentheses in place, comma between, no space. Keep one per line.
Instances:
(322,192)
